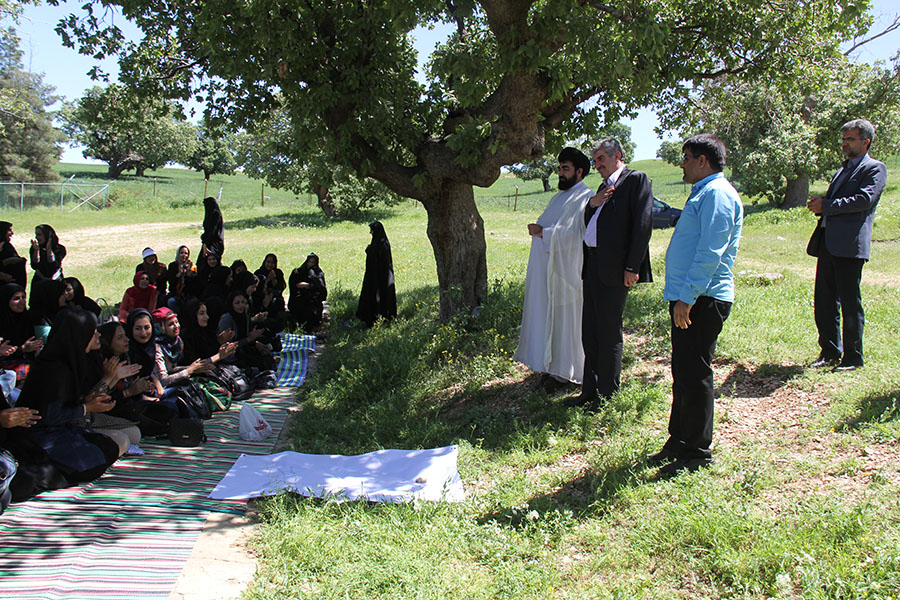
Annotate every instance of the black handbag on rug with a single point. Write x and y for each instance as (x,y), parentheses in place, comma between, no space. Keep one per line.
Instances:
(186,432)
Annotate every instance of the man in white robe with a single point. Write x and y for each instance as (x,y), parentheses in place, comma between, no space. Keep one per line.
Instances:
(550,340)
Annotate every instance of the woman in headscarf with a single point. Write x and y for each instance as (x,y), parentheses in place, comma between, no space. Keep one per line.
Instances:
(251,351)
(17,330)
(213,237)
(141,295)
(378,297)
(47,254)
(12,266)
(47,297)
(151,416)
(170,362)
(200,338)
(182,277)
(142,347)
(308,294)
(76,298)
(271,278)
(56,390)
(157,272)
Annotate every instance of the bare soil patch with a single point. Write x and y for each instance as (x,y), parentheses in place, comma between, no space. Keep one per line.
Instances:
(85,245)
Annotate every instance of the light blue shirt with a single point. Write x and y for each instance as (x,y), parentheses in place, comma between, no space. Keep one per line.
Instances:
(705,243)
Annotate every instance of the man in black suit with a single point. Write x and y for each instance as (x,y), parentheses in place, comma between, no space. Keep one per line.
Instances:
(618,222)
(841,242)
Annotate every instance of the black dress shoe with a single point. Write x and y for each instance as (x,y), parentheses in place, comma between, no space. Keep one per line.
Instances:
(846,368)
(551,384)
(821,363)
(662,457)
(685,464)
(579,400)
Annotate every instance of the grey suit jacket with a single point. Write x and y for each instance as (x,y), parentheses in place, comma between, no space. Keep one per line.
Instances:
(849,210)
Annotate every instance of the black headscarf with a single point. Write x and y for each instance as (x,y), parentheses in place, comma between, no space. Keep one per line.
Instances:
(199,342)
(138,353)
(213,226)
(7,250)
(80,299)
(241,321)
(43,304)
(59,373)
(15,327)
(107,332)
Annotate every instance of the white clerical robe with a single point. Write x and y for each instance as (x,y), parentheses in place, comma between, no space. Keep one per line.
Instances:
(550,340)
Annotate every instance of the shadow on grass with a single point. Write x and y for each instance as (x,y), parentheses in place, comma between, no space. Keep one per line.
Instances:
(872,409)
(764,381)
(315,219)
(586,496)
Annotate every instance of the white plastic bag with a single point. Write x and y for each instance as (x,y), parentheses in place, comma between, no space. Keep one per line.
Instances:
(253,426)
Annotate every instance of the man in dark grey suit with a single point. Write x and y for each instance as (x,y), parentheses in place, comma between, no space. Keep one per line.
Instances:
(618,223)
(841,242)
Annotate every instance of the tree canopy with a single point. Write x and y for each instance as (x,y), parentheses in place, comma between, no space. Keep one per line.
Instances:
(512,73)
(213,153)
(29,144)
(781,137)
(127,131)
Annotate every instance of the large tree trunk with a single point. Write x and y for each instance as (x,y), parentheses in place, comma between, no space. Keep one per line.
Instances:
(797,192)
(139,169)
(546,182)
(326,202)
(115,169)
(456,231)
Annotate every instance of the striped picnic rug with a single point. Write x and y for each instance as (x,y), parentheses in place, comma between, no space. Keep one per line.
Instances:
(296,341)
(128,534)
(291,369)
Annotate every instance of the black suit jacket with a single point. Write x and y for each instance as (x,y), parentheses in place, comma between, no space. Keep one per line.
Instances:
(850,211)
(623,231)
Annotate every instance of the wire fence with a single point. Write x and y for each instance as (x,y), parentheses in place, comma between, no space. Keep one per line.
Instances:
(66,195)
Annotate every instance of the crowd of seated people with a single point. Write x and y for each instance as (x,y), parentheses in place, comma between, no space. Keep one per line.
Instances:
(76,394)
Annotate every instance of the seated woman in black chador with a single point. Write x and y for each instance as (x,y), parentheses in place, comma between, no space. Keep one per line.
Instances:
(182,278)
(47,298)
(251,352)
(378,297)
(76,298)
(57,388)
(47,254)
(308,294)
(151,416)
(271,279)
(17,331)
(12,266)
(202,339)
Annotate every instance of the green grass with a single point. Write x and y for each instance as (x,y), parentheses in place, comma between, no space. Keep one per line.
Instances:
(561,504)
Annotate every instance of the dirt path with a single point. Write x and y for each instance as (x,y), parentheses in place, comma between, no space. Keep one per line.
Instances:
(86,244)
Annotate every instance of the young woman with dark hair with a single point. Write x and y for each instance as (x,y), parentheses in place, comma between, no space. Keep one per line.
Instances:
(12,266)
(141,295)
(378,297)
(46,253)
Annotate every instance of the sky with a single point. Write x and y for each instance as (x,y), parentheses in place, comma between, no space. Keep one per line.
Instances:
(66,70)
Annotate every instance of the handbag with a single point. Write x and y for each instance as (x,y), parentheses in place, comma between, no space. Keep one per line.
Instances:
(186,432)
(191,402)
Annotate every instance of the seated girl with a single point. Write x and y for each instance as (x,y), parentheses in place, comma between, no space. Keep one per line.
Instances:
(56,389)
(76,298)
(17,331)
(141,295)
(202,340)
(251,352)
(171,365)
(151,415)
(47,297)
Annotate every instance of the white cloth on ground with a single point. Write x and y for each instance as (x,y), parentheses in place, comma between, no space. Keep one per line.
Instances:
(381,476)
(550,339)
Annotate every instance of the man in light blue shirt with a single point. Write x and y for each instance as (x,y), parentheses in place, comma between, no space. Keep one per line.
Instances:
(700,291)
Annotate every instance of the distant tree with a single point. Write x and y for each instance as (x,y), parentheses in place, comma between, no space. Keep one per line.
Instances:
(670,152)
(29,144)
(128,132)
(213,153)
(270,153)
(541,168)
(780,138)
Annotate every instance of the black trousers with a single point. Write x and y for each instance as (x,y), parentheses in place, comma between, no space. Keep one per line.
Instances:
(838,307)
(693,392)
(601,335)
